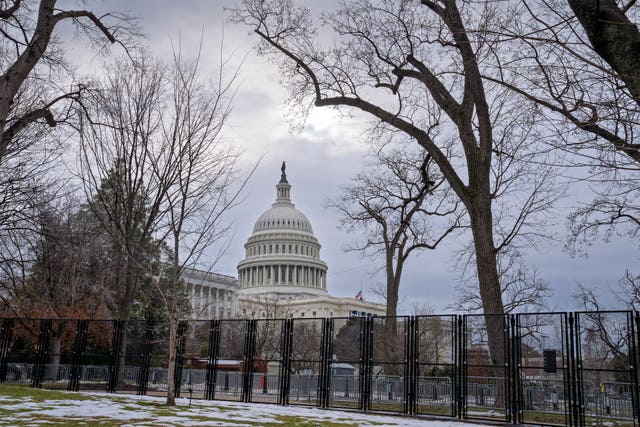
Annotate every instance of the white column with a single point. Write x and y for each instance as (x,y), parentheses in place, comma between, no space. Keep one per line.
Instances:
(224,302)
(234,300)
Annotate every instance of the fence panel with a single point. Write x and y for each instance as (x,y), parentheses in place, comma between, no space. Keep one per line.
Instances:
(96,362)
(435,359)
(58,355)
(346,370)
(390,364)
(543,378)
(192,369)
(21,353)
(305,381)
(132,358)
(607,367)
(6,338)
(230,360)
(553,369)
(267,361)
(486,379)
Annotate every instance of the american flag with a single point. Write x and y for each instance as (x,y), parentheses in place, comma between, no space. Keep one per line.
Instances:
(359,295)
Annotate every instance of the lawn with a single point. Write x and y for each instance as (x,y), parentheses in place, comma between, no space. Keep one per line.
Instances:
(23,406)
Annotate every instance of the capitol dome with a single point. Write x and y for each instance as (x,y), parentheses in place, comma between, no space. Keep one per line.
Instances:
(282,255)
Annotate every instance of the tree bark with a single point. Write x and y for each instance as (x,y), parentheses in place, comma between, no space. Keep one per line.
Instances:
(488,280)
(614,37)
(171,380)
(393,282)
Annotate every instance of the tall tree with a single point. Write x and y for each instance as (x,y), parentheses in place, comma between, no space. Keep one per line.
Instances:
(119,154)
(578,60)
(201,188)
(415,69)
(33,64)
(397,202)
(37,94)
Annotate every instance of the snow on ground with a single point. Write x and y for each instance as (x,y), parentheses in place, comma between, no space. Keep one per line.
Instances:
(125,410)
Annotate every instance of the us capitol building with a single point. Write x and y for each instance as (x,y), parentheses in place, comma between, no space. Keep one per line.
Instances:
(282,274)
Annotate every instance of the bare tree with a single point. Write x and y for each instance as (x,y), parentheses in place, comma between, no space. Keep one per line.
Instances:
(626,294)
(34,66)
(523,290)
(397,203)
(578,60)
(202,186)
(118,167)
(416,69)
(606,337)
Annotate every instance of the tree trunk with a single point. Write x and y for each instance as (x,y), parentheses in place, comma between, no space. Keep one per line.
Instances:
(490,294)
(173,328)
(392,289)
(489,283)
(54,351)
(614,37)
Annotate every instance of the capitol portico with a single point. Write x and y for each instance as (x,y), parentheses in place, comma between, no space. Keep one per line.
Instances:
(282,268)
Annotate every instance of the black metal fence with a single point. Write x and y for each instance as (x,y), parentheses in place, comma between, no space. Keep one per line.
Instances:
(577,368)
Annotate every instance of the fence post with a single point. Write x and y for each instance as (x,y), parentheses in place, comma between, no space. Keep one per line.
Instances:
(181,338)
(575,385)
(79,347)
(515,362)
(42,352)
(461,366)
(364,383)
(634,366)
(145,360)
(411,364)
(6,334)
(248,359)
(116,347)
(286,337)
(212,357)
(324,377)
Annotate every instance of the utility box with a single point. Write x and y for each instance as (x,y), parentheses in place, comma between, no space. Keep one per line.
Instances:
(549,361)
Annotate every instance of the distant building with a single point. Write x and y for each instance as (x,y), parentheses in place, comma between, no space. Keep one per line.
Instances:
(282,274)
(211,295)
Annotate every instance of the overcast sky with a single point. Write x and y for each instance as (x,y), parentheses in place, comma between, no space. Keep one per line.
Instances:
(326,153)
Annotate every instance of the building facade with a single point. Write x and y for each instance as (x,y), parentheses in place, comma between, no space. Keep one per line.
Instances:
(211,295)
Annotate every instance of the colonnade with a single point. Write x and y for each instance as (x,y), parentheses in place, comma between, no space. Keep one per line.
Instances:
(295,275)
(211,302)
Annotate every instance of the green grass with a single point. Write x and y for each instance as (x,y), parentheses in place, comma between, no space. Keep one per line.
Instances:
(38,394)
